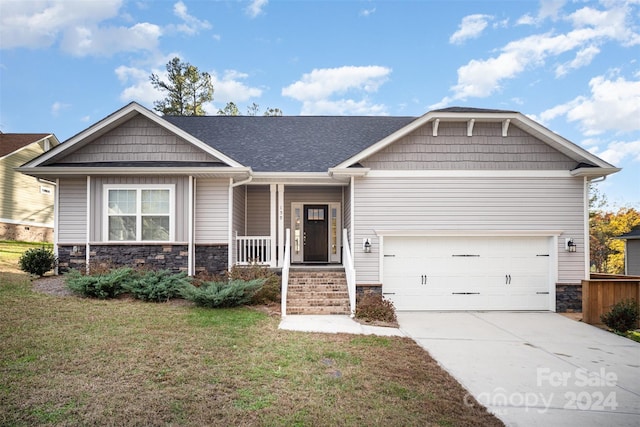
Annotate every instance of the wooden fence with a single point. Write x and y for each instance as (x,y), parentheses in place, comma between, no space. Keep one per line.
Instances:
(599,295)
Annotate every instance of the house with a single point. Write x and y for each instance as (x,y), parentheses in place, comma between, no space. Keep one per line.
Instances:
(631,252)
(26,204)
(459,209)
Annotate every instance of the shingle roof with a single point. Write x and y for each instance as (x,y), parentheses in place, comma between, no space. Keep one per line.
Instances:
(10,142)
(471,110)
(633,234)
(289,143)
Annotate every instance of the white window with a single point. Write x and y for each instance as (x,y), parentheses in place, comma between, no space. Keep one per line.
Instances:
(139,213)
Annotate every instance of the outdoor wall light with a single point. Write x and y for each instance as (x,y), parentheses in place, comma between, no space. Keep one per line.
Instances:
(366,245)
(570,245)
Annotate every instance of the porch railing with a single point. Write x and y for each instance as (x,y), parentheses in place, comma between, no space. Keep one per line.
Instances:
(350,271)
(285,272)
(253,250)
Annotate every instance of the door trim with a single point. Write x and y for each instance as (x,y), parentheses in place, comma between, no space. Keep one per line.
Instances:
(334,241)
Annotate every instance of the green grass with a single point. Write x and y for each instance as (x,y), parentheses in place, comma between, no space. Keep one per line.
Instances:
(75,361)
(10,252)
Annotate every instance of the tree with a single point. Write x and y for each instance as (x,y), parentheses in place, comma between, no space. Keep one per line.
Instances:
(274,112)
(231,109)
(253,109)
(187,90)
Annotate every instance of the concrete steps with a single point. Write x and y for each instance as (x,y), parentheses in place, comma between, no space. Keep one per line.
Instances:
(317,291)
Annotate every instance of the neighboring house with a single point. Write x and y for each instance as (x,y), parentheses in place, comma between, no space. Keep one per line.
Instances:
(26,205)
(460,208)
(631,252)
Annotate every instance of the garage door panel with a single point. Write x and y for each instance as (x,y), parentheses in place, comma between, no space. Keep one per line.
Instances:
(467,273)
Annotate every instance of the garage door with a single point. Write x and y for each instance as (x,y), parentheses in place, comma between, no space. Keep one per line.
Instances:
(467,273)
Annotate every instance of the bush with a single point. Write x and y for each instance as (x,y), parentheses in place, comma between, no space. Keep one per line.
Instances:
(270,290)
(373,307)
(103,285)
(622,317)
(157,286)
(222,294)
(37,261)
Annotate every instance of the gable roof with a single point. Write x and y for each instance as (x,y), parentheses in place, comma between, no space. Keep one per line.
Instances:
(589,164)
(10,142)
(634,234)
(290,143)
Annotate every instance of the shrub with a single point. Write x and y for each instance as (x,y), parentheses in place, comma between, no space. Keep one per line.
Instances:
(222,294)
(269,291)
(157,286)
(103,286)
(373,307)
(37,261)
(622,317)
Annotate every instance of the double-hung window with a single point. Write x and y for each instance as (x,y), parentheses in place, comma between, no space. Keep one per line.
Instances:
(137,213)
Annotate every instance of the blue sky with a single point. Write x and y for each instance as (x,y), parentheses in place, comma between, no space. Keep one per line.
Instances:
(571,65)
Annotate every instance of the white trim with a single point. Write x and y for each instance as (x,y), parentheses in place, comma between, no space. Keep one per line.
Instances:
(272,221)
(24,147)
(200,172)
(470,124)
(586,234)
(296,178)
(87,246)
(281,242)
(190,231)
(56,220)
(120,116)
(28,223)
(231,241)
(138,187)
(554,271)
(353,217)
(469,174)
(470,233)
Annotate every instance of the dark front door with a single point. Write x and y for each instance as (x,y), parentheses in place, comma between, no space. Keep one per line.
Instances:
(316,232)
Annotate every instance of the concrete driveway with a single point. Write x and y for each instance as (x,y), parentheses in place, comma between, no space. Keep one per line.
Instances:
(535,369)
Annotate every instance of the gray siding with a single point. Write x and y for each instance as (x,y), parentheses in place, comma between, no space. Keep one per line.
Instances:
(633,257)
(139,139)
(258,210)
(453,149)
(239,217)
(346,209)
(212,211)
(309,195)
(72,222)
(476,204)
(181,195)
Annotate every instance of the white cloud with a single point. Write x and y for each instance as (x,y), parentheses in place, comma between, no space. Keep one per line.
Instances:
(230,88)
(617,151)
(614,105)
(471,27)
(316,89)
(256,7)
(548,9)
(484,77)
(191,25)
(105,41)
(57,107)
(367,12)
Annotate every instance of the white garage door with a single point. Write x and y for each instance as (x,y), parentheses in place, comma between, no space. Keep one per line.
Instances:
(467,273)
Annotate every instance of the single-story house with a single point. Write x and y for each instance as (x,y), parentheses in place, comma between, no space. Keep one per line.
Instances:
(26,203)
(461,208)
(631,252)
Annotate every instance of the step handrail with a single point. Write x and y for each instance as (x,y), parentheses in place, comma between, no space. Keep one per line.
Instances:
(286,265)
(350,271)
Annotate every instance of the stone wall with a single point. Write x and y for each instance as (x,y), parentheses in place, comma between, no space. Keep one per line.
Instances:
(68,258)
(568,298)
(25,233)
(368,289)
(212,258)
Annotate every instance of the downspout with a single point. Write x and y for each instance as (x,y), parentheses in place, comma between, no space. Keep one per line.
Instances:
(231,239)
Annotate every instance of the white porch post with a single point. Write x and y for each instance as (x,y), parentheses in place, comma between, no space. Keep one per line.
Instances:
(231,234)
(191,249)
(281,242)
(352,219)
(87,249)
(273,224)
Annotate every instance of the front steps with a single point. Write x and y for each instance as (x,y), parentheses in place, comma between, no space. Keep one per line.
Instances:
(317,291)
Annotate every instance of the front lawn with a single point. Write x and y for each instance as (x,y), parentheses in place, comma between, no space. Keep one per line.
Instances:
(74,361)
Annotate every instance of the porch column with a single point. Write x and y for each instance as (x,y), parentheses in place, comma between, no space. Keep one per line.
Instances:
(280,225)
(273,224)
(87,249)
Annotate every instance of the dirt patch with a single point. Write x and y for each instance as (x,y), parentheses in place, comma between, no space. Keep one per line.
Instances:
(52,285)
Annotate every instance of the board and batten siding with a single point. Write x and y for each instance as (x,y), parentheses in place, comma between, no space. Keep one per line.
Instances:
(180,209)
(441,205)
(212,211)
(138,140)
(72,211)
(21,200)
(452,149)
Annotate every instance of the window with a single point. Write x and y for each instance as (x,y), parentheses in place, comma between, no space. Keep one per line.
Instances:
(139,213)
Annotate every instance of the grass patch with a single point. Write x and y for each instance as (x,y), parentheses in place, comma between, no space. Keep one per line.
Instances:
(76,361)
(11,251)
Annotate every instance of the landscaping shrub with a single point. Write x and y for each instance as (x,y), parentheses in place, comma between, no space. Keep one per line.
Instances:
(37,261)
(622,317)
(373,307)
(103,285)
(269,292)
(222,294)
(157,286)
